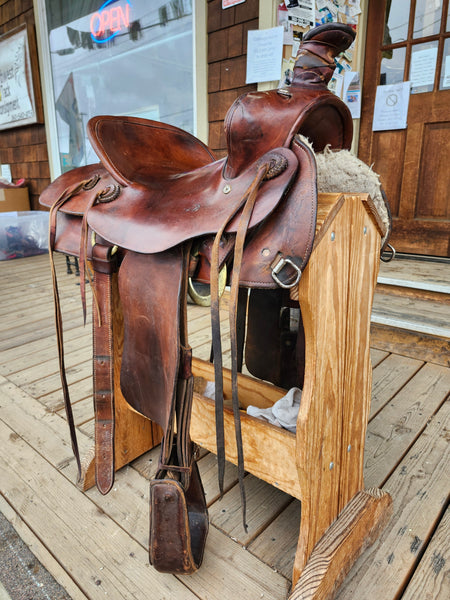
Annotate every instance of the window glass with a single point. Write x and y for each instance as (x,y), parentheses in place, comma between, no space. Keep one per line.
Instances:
(396,21)
(423,67)
(427,18)
(127,57)
(444,80)
(392,66)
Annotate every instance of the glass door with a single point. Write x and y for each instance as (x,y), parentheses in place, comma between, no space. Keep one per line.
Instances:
(411,42)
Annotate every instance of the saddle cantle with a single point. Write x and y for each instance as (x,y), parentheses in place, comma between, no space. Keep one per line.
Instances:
(156,192)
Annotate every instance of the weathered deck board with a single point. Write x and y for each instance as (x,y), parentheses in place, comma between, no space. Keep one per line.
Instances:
(431,580)
(44,429)
(391,433)
(79,390)
(419,488)
(377,356)
(51,383)
(47,368)
(416,274)
(72,525)
(41,349)
(83,410)
(428,317)
(389,377)
(42,328)
(281,533)
(264,503)
(254,577)
(208,473)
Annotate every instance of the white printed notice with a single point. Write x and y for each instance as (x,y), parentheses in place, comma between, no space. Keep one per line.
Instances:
(446,82)
(391,106)
(301,12)
(15,103)
(264,55)
(423,66)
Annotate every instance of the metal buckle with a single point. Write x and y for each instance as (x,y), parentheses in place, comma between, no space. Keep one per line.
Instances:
(94,241)
(279,266)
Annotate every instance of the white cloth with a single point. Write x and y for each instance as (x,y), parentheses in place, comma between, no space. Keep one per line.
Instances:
(210,390)
(283,413)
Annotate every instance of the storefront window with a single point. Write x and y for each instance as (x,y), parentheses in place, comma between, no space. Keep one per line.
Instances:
(393,66)
(118,57)
(427,18)
(396,21)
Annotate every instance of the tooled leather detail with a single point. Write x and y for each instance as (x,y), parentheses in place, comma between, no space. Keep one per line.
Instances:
(109,193)
(277,164)
(92,182)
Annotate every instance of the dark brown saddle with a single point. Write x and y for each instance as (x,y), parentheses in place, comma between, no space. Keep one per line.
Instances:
(157,191)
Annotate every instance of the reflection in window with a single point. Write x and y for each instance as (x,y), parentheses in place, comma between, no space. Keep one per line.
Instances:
(393,68)
(427,19)
(444,80)
(396,21)
(128,57)
(423,67)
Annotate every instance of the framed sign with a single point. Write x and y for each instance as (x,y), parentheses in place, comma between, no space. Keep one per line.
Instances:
(17,90)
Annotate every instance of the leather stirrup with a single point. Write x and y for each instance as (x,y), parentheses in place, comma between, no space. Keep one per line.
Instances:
(178,524)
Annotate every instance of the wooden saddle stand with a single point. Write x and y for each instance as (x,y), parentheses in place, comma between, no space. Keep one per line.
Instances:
(157,199)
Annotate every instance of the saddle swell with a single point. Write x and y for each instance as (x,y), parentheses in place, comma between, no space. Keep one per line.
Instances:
(258,119)
(156,192)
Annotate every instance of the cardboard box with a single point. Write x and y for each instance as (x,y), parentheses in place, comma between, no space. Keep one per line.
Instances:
(14,200)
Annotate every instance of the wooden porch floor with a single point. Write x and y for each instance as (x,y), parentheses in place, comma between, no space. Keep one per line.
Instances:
(95,546)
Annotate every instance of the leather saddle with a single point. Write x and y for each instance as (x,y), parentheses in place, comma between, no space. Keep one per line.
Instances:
(156,192)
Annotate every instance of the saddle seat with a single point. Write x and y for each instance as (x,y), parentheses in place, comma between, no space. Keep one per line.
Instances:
(169,199)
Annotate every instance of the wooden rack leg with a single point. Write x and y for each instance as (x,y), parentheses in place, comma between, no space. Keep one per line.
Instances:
(335,294)
(134,433)
(356,528)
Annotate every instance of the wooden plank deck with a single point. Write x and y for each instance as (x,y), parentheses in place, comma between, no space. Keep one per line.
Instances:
(95,546)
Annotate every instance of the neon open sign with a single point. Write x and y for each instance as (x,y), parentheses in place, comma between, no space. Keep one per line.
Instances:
(111,20)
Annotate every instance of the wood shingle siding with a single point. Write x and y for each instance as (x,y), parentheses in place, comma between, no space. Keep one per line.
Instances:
(227,55)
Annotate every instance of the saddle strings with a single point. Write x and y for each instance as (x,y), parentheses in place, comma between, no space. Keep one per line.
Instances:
(63,198)
(66,195)
(247,204)
(84,267)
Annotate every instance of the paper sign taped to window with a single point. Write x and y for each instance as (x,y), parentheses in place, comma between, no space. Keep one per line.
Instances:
(423,66)
(391,106)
